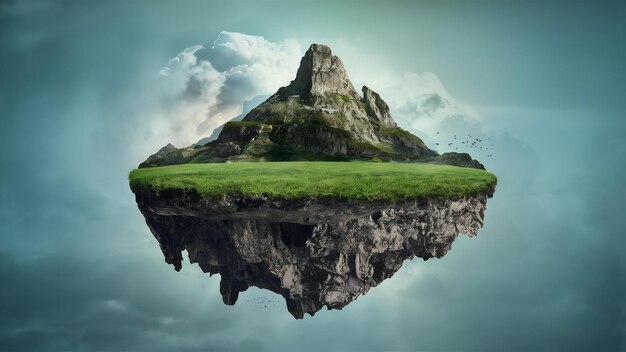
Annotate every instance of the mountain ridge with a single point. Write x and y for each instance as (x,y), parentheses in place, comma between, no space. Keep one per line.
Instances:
(318,116)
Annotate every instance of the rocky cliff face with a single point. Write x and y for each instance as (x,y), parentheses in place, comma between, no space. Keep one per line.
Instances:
(377,108)
(320,74)
(314,253)
(318,116)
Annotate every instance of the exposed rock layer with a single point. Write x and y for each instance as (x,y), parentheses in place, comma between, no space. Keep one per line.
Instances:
(314,253)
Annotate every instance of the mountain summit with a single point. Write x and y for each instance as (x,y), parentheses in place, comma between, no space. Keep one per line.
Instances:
(322,86)
(320,73)
(318,116)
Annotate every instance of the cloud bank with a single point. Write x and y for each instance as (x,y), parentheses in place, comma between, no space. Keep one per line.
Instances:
(421,102)
(205,86)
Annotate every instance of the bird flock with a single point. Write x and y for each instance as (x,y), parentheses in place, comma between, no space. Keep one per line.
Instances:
(264,301)
(470,142)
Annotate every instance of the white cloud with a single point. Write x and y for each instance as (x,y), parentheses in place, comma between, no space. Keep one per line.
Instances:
(205,86)
(421,102)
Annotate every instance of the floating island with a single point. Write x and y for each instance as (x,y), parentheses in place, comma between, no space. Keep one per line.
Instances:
(316,194)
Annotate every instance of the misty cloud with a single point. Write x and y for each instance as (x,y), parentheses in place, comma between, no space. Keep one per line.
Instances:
(421,102)
(205,86)
(430,103)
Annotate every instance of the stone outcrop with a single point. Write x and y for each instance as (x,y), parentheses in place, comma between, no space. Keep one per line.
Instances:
(168,155)
(377,108)
(456,159)
(320,74)
(313,252)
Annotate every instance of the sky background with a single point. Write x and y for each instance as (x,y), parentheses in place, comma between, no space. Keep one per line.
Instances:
(82,102)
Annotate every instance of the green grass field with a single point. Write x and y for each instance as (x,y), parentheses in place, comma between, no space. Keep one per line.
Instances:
(344,180)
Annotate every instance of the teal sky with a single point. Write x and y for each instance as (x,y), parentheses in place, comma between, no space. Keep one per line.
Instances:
(81,104)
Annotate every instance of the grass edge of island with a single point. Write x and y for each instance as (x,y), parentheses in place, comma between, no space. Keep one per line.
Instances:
(305,180)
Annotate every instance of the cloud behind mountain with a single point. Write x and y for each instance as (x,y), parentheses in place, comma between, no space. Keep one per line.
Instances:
(205,86)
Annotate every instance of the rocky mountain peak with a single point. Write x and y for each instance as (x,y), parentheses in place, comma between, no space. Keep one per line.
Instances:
(320,73)
(168,148)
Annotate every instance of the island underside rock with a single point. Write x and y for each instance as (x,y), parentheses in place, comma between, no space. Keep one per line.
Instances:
(314,253)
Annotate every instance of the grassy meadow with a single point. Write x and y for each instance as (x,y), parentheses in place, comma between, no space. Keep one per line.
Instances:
(344,180)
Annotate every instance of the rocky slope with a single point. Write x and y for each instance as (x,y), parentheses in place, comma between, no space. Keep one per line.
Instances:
(318,116)
(313,252)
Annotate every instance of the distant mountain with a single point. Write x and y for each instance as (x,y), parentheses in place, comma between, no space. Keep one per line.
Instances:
(318,116)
